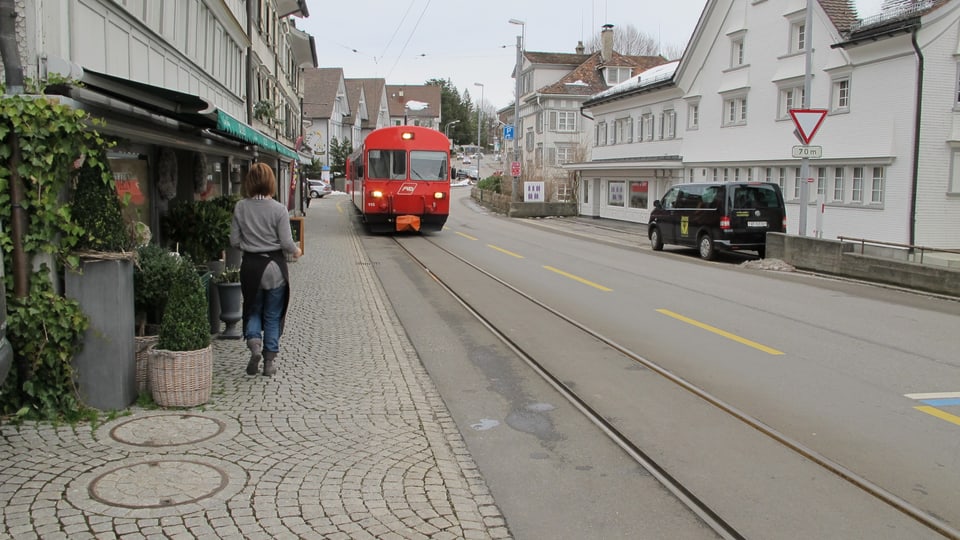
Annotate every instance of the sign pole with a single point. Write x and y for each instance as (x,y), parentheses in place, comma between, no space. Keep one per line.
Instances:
(805,162)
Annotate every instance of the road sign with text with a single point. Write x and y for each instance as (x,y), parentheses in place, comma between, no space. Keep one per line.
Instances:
(514,168)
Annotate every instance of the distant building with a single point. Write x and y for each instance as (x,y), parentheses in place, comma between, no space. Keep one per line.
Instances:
(553,87)
(415,105)
(890,169)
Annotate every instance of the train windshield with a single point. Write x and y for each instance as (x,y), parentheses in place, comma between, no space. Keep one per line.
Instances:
(426,165)
(387,164)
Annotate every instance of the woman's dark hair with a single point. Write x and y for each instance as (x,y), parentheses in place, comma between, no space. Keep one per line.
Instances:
(260,180)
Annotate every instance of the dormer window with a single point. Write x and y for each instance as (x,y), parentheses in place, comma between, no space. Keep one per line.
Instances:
(616,75)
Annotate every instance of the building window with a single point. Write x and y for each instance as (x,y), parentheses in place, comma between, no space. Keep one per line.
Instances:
(736,52)
(615,193)
(956,92)
(586,191)
(857,193)
(614,75)
(798,37)
(954,186)
(638,194)
(565,154)
(646,127)
(782,179)
(876,189)
(790,98)
(735,111)
(768,174)
(840,100)
(821,181)
(838,184)
(601,133)
(726,174)
(669,126)
(565,121)
(796,183)
(693,116)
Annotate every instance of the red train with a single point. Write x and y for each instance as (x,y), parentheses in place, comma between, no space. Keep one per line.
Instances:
(399,179)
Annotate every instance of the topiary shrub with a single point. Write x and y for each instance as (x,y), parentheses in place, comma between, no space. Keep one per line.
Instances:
(490,183)
(185,325)
(96,208)
(199,229)
(153,277)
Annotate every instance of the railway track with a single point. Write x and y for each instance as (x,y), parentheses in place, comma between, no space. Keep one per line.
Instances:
(709,517)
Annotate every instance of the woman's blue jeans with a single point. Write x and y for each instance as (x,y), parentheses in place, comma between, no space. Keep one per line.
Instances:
(264,322)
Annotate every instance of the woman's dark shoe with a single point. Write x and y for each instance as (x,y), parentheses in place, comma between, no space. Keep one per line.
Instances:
(255,346)
(269,364)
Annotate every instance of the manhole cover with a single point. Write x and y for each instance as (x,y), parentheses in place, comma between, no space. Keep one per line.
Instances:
(167,430)
(158,484)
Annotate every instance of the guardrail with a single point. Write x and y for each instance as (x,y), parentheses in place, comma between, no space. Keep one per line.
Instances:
(910,248)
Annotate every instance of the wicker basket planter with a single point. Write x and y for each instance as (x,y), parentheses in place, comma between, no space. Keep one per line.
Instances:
(181,378)
(143,346)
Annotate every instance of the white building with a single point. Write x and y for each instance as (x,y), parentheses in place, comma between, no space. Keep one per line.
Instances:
(890,169)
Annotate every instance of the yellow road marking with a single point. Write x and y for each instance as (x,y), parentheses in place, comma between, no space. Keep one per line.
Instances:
(720,332)
(467,236)
(501,250)
(933,411)
(577,278)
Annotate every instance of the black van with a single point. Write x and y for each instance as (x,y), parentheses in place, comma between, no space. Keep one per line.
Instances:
(730,216)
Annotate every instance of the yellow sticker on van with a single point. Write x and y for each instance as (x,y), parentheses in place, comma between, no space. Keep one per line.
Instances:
(684,225)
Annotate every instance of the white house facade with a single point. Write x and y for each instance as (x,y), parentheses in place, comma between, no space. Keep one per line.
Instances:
(890,138)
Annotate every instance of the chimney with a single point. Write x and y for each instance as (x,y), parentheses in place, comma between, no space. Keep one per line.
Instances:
(579,48)
(606,43)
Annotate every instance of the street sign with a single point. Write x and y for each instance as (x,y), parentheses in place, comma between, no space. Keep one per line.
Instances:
(805,151)
(514,168)
(508,132)
(808,122)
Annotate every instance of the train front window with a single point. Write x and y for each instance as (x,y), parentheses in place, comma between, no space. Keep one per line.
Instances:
(426,165)
(387,164)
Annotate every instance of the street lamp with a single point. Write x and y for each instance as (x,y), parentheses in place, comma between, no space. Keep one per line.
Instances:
(446,130)
(479,110)
(516,100)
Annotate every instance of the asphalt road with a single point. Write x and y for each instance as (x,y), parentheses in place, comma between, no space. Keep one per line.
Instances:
(804,355)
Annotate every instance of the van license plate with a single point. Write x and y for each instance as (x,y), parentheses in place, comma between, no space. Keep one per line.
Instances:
(756,224)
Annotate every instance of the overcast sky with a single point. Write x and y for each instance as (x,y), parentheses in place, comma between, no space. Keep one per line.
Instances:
(412,41)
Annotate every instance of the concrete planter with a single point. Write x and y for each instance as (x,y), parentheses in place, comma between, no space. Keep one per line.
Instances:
(105,369)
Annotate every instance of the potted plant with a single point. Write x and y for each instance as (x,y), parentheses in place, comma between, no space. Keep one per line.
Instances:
(153,276)
(181,364)
(199,229)
(231,301)
(102,283)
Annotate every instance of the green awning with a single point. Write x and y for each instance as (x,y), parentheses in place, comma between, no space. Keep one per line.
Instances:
(231,125)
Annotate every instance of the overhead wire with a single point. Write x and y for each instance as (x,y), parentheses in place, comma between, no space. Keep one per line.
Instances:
(407,42)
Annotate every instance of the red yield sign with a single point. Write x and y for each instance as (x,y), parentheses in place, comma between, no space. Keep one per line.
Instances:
(808,122)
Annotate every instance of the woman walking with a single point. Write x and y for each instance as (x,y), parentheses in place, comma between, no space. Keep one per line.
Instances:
(261,228)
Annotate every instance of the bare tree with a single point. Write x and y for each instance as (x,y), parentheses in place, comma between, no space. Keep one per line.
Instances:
(631,41)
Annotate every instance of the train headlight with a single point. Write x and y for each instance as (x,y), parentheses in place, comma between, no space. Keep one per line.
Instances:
(407,135)
(376,194)
(438,195)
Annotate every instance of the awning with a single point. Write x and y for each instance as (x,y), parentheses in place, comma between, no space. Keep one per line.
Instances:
(244,132)
(285,8)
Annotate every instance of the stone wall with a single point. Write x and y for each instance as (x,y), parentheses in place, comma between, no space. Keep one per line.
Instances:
(843,259)
(501,203)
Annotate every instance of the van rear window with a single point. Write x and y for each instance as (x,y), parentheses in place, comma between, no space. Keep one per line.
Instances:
(753,197)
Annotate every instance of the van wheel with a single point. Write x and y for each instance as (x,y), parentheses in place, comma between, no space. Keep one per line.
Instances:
(762,252)
(655,241)
(707,251)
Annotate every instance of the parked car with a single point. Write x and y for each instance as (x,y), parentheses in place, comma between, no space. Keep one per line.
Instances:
(466,160)
(473,174)
(319,189)
(730,216)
